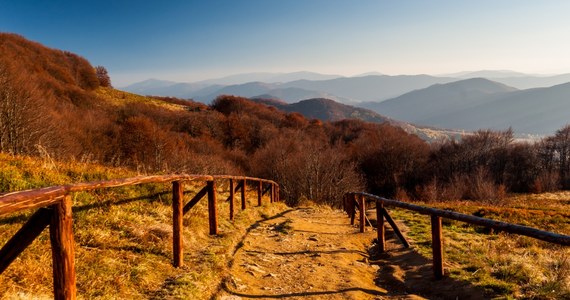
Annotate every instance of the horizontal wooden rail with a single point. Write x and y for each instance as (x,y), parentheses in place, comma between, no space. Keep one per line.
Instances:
(436,225)
(17,201)
(56,211)
(547,236)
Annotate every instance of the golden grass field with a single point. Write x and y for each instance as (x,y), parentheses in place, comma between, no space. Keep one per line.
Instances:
(508,265)
(123,237)
(123,240)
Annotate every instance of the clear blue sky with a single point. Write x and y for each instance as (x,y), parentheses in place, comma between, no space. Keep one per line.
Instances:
(193,40)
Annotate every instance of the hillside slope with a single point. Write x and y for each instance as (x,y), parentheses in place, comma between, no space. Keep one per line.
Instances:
(535,111)
(473,104)
(329,110)
(429,103)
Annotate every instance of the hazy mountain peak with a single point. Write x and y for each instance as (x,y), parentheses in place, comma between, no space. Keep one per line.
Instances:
(488,74)
(479,84)
(420,104)
(268,77)
(150,83)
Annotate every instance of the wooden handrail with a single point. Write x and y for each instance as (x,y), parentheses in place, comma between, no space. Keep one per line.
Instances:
(36,198)
(436,225)
(59,213)
(547,236)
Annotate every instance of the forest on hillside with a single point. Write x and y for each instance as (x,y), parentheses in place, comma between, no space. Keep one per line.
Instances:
(55,104)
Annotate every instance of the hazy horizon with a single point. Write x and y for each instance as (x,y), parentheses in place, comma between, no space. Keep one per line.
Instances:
(189,41)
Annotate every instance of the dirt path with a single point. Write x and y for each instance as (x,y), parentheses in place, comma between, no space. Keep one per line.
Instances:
(309,253)
(314,253)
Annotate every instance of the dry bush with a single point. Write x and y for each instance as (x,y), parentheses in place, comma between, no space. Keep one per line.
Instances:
(306,169)
(428,192)
(482,187)
(455,189)
(401,195)
(546,182)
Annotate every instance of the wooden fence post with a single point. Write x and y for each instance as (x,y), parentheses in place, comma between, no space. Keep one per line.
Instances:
(352,207)
(62,249)
(259,192)
(437,246)
(212,208)
(243,187)
(362,212)
(177,214)
(380,226)
(275,192)
(272,192)
(232,196)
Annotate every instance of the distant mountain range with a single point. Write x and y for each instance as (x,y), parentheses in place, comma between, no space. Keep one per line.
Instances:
(349,90)
(465,101)
(472,104)
(329,110)
(424,106)
(326,110)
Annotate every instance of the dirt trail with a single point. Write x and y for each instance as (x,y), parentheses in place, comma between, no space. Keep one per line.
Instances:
(314,253)
(309,253)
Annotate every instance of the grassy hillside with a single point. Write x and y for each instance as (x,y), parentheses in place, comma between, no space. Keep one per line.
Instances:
(123,237)
(506,264)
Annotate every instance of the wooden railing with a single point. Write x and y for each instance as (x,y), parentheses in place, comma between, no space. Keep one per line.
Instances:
(54,206)
(357,200)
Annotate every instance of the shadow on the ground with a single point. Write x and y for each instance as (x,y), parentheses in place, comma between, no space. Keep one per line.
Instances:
(303,294)
(240,244)
(404,271)
(312,252)
(327,233)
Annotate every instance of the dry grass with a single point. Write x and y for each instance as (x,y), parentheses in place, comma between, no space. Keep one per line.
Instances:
(507,265)
(119,98)
(123,239)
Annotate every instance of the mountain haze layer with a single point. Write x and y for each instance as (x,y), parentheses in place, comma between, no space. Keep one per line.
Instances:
(428,103)
(535,111)
(480,103)
(350,90)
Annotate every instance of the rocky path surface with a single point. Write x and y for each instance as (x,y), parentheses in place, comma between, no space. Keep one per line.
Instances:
(314,253)
(308,253)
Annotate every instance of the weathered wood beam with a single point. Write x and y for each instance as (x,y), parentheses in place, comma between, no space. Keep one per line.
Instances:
(195,199)
(243,192)
(395,228)
(352,208)
(212,207)
(437,247)
(547,236)
(63,250)
(362,215)
(259,192)
(24,237)
(381,231)
(232,199)
(177,225)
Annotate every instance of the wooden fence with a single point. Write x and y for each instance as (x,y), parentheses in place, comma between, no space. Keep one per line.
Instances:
(357,200)
(54,206)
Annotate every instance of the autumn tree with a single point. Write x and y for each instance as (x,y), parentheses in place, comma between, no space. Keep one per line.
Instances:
(306,168)
(559,144)
(389,158)
(103,76)
(24,123)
